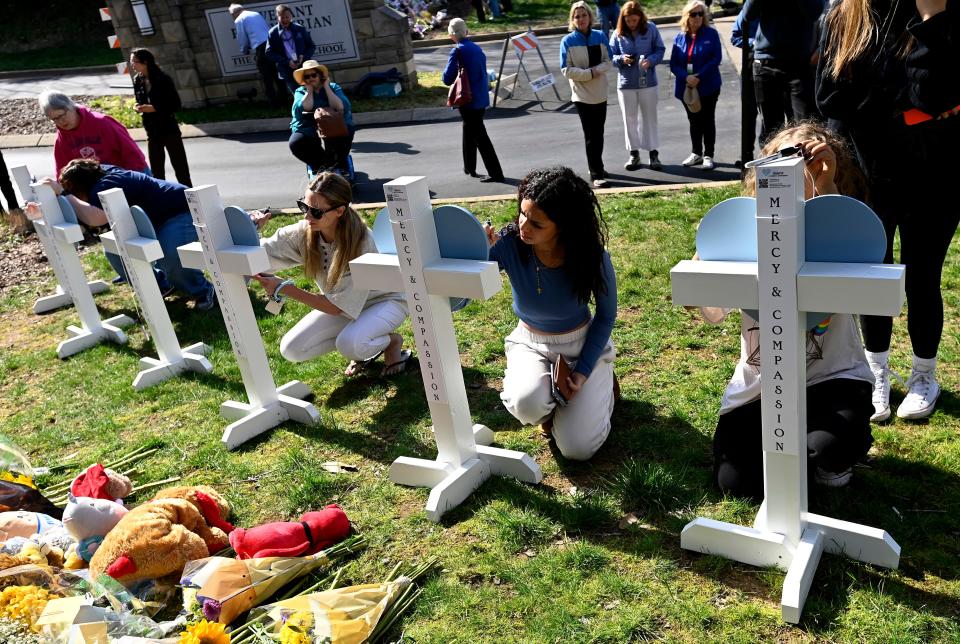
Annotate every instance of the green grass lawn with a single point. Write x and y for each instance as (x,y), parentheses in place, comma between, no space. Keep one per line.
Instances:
(429,92)
(60,57)
(547,563)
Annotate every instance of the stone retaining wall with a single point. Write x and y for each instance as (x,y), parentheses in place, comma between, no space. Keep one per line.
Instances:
(184,47)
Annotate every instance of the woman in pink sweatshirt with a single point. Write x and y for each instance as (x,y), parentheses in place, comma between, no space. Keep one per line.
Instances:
(85,134)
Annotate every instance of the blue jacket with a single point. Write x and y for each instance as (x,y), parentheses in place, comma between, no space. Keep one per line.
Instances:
(305,122)
(736,36)
(707,54)
(786,28)
(468,54)
(650,45)
(277,52)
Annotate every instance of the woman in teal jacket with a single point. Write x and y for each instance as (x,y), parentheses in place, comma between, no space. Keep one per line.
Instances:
(316,91)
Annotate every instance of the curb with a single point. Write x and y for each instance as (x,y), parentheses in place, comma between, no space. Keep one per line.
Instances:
(253,126)
(665,187)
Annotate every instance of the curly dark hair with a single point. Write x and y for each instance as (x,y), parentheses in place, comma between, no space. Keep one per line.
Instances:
(569,202)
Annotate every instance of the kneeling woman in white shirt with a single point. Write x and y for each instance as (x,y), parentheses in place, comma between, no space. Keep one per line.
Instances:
(359,323)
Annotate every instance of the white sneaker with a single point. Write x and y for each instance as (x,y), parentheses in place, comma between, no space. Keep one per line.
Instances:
(599,183)
(708,163)
(693,159)
(881,392)
(833,479)
(922,394)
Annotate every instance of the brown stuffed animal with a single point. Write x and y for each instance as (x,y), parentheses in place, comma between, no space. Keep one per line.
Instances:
(159,537)
(212,506)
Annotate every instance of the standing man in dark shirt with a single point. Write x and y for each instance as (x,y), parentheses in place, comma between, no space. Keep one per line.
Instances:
(252,32)
(288,45)
(783,56)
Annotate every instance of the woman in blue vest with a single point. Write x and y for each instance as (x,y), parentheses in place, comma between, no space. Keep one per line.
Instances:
(467,56)
(695,61)
(584,62)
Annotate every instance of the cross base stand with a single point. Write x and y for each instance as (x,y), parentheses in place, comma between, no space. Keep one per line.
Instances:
(451,485)
(253,420)
(760,547)
(153,371)
(59,298)
(81,339)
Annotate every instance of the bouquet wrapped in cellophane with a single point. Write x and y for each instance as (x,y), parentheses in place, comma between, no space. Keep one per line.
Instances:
(223,587)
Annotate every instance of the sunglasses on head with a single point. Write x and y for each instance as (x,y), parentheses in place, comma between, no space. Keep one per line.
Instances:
(315,213)
(696,14)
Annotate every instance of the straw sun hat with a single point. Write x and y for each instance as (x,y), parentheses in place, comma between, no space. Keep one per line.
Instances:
(310,64)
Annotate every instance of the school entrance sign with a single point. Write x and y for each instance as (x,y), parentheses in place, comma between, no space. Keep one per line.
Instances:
(329,22)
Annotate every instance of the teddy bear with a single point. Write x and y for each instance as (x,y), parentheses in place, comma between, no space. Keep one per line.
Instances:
(89,520)
(311,534)
(158,538)
(99,482)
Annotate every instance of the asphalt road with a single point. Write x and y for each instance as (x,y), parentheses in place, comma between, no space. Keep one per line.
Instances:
(258,170)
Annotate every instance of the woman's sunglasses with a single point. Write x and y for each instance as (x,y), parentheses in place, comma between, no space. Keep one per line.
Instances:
(309,76)
(315,213)
(696,14)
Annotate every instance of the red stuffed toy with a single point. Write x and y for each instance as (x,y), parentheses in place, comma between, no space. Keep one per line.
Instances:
(314,532)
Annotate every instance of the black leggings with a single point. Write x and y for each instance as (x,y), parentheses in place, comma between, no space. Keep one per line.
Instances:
(593,116)
(927,226)
(838,435)
(321,153)
(703,125)
(170,141)
(475,138)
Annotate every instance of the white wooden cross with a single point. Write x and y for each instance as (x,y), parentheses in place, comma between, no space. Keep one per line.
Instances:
(60,298)
(228,263)
(784,287)
(63,232)
(429,281)
(138,251)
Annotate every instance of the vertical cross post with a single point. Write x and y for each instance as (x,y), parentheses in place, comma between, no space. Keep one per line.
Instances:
(63,234)
(138,252)
(60,298)
(228,263)
(429,280)
(784,286)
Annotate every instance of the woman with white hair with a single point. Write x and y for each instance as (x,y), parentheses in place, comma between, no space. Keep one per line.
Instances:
(468,56)
(85,134)
(584,62)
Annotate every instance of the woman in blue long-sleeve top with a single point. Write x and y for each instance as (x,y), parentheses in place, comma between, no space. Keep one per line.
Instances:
(695,61)
(637,48)
(555,258)
(472,59)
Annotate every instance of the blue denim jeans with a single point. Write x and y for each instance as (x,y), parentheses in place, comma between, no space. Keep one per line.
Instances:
(607,17)
(494,7)
(174,232)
